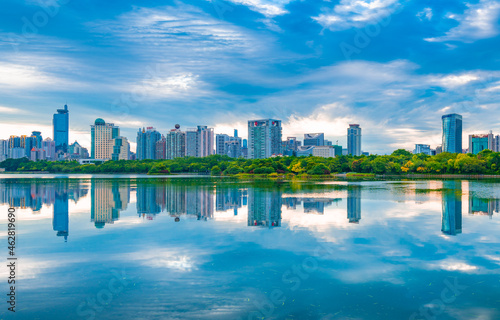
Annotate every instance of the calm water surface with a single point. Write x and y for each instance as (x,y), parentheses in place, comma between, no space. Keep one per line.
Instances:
(94,247)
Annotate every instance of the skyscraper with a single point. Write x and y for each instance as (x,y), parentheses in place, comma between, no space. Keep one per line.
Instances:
(229,146)
(176,143)
(146,143)
(452,133)
(480,142)
(354,140)
(264,138)
(422,148)
(314,139)
(60,123)
(121,149)
(102,135)
(200,142)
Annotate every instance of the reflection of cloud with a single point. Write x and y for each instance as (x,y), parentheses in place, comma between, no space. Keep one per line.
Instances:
(168,259)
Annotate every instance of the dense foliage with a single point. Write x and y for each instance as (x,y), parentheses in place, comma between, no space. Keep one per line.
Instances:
(399,162)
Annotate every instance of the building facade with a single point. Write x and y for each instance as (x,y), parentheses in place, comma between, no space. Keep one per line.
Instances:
(102,137)
(452,133)
(60,123)
(176,143)
(354,140)
(422,148)
(121,149)
(324,151)
(314,139)
(200,142)
(480,142)
(264,138)
(146,143)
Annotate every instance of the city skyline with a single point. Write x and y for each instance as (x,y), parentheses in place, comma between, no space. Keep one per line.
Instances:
(318,66)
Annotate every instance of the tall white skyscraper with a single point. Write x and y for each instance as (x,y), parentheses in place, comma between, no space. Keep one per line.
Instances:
(264,138)
(354,140)
(102,135)
(200,142)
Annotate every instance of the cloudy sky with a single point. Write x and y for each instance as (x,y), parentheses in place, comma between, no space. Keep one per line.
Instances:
(394,67)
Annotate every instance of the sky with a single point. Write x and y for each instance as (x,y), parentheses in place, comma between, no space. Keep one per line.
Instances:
(394,67)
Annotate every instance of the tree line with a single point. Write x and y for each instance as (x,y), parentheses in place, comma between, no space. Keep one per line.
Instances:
(399,162)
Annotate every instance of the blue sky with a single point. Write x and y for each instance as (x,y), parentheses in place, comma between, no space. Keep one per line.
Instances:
(392,66)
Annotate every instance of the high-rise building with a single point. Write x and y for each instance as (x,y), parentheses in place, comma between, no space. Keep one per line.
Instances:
(146,143)
(452,133)
(176,143)
(244,149)
(17,147)
(4,149)
(102,135)
(76,151)
(422,148)
(121,149)
(290,145)
(229,146)
(314,139)
(60,123)
(354,140)
(199,142)
(264,138)
(161,148)
(480,142)
(49,146)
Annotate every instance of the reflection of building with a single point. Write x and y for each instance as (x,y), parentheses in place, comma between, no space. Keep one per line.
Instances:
(60,221)
(264,207)
(354,203)
(108,198)
(310,205)
(452,208)
(483,207)
(193,200)
(230,198)
(147,199)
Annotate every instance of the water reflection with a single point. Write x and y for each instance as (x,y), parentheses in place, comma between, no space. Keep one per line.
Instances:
(109,197)
(452,207)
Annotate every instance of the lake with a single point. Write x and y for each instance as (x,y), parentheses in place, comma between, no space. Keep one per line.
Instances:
(139,247)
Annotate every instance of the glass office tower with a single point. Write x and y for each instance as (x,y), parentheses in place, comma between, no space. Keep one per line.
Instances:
(452,133)
(60,122)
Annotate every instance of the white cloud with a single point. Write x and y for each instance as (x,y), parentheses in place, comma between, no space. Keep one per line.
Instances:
(267,8)
(479,21)
(425,14)
(8,110)
(356,13)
